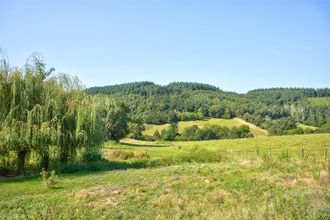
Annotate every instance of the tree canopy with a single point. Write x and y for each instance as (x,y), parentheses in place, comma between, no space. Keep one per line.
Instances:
(181,101)
(50,116)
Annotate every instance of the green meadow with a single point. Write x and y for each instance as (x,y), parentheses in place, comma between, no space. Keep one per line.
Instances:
(235,122)
(306,127)
(283,177)
(320,101)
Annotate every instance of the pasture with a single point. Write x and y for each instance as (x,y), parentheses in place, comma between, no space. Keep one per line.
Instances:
(306,127)
(320,101)
(283,177)
(235,122)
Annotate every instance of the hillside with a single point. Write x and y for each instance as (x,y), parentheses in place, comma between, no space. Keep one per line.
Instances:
(320,101)
(306,127)
(277,110)
(149,88)
(256,131)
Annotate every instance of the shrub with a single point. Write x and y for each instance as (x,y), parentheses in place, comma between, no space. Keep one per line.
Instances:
(90,155)
(189,116)
(156,135)
(50,180)
(170,133)
(280,126)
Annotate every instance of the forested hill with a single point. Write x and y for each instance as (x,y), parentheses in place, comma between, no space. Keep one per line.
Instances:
(145,87)
(287,94)
(279,110)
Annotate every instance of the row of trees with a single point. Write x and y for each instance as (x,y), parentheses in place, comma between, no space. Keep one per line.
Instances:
(50,118)
(194,133)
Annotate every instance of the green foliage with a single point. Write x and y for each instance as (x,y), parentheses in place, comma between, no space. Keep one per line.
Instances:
(49,180)
(280,126)
(203,111)
(214,132)
(170,133)
(190,116)
(216,111)
(136,128)
(156,135)
(157,104)
(208,132)
(149,88)
(49,120)
(325,128)
(225,179)
(116,121)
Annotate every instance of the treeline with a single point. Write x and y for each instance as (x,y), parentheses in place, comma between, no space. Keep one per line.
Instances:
(267,108)
(48,120)
(288,94)
(149,88)
(194,133)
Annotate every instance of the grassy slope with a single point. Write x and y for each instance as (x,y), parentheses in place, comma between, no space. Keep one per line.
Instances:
(256,131)
(320,101)
(292,142)
(303,126)
(234,185)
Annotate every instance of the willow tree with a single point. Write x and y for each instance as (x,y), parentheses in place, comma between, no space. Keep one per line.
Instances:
(38,112)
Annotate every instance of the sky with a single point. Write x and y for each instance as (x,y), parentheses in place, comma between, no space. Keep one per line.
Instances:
(236,45)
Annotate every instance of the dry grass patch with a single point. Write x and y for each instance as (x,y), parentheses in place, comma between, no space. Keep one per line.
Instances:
(124,154)
(324,177)
(101,196)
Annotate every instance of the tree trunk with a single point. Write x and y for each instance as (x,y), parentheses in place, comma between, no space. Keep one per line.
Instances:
(45,161)
(21,162)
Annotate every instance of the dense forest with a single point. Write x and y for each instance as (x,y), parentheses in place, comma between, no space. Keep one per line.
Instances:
(277,109)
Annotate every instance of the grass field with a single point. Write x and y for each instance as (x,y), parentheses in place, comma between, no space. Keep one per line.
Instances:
(305,127)
(259,178)
(256,131)
(320,101)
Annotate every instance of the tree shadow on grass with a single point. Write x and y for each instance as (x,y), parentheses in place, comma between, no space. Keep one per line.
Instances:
(94,167)
(105,165)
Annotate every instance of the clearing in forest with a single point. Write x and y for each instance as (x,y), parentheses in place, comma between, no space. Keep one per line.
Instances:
(256,131)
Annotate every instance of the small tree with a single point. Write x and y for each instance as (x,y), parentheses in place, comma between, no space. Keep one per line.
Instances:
(116,121)
(203,111)
(136,128)
(170,133)
(157,135)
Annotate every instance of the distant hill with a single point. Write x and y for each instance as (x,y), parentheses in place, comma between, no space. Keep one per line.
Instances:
(277,110)
(149,88)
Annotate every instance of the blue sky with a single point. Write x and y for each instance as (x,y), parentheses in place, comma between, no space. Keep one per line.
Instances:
(235,45)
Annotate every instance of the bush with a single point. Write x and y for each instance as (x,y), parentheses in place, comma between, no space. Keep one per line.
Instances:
(50,180)
(280,126)
(90,155)
(189,116)
(324,128)
(156,135)
(296,131)
(170,133)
